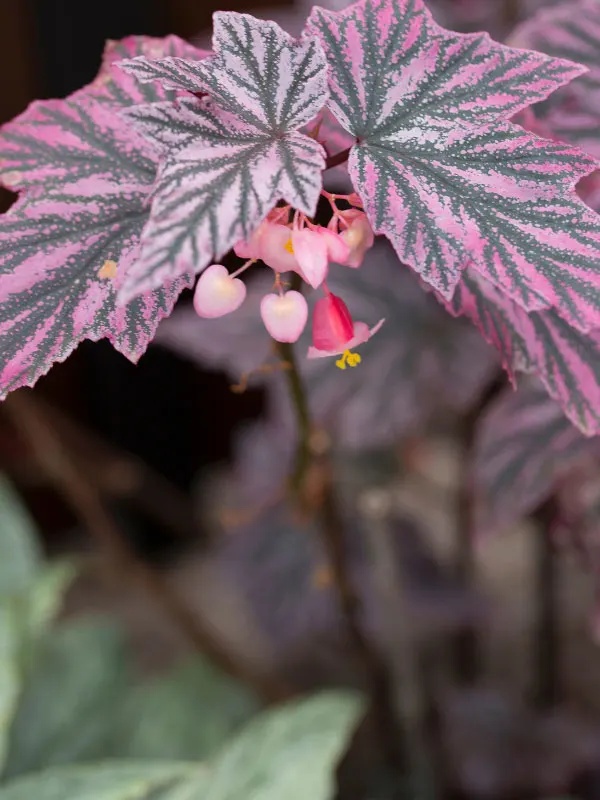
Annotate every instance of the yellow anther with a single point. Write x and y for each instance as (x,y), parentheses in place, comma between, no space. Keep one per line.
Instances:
(289,246)
(341,362)
(348,358)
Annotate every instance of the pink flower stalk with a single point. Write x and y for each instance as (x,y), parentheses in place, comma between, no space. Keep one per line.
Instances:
(335,333)
(218,293)
(284,315)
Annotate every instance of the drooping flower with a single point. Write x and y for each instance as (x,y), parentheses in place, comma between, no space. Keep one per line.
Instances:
(218,293)
(312,255)
(358,237)
(332,325)
(277,251)
(335,332)
(284,315)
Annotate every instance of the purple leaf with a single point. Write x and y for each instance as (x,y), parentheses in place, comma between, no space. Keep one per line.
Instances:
(67,243)
(229,159)
(440,171)
(566,361)
(419,363)
(524,446)
(570,30)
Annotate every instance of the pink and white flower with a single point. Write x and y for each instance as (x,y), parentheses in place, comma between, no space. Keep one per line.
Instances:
(284,315)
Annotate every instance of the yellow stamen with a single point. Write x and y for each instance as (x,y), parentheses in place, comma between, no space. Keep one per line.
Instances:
(349,359)
(289,246)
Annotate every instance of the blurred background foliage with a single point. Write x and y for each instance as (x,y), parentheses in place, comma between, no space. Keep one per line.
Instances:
(159,598)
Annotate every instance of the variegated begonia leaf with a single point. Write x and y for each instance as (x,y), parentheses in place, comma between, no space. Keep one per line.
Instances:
(84,179)
(524,445)
(566,361)
(569,30)
(420,363)
(228,159)
(443,174)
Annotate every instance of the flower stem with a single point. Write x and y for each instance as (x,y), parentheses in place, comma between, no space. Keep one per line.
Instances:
(546,636)
(375,672)
(466,650)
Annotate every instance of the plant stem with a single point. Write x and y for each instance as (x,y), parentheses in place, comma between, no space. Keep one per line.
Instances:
(466,650)
(30,419)
(413,679)
(375,673)
(546,647)
(303,452)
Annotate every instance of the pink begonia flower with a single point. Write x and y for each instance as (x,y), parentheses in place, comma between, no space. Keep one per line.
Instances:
(276,249)
(359,237)
(217,293)
(251,248)
(332,324)
(311,252)
(284,315)
(335,333)
(337,249)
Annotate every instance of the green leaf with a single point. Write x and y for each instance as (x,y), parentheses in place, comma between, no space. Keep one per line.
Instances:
(68,707)
(39,606)
(289,753)
(19,551)
(185,715)
(112,781)
(10,678)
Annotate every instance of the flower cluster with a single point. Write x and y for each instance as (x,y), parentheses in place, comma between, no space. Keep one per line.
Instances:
(288,241)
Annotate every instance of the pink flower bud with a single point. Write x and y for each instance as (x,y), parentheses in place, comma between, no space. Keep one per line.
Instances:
(332,325)
(217,293)
(311,253)
(337,249)
(359,237)
(284,315)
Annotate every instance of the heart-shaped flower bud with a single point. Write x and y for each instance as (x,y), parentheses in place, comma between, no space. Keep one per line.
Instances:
(284,315)
(359,237)
(310,249)
(332,325)
(217,293)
